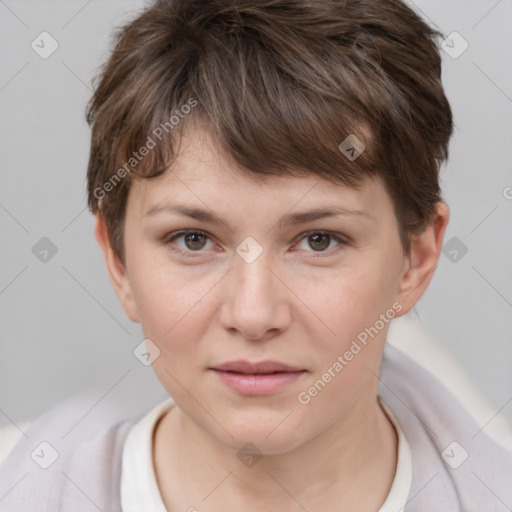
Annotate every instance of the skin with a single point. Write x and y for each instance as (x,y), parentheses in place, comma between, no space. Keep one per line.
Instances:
(301,302)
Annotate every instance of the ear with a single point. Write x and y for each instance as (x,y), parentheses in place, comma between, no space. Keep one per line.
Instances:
(116,270)
(419,267)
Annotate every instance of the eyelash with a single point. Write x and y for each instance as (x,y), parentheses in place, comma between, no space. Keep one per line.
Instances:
(317,254)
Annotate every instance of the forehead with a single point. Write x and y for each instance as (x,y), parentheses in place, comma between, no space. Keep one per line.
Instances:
(202,175)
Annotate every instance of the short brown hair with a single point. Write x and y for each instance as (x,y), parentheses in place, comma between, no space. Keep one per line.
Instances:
(279,84)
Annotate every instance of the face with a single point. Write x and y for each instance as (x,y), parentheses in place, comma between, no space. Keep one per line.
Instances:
(223,269)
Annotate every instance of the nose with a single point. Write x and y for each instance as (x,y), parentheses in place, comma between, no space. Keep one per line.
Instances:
(255,302)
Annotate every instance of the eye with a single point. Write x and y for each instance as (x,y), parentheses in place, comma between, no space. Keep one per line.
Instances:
(193,241)
(319,241)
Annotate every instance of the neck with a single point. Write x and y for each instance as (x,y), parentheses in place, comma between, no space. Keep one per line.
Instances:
(350,465)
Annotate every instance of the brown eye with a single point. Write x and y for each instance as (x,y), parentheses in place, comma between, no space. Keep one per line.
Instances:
(188,242)
(195,241)
(323,243)
(319,241)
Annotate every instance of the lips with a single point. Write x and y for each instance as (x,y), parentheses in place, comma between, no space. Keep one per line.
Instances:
(263,367)
(257,378)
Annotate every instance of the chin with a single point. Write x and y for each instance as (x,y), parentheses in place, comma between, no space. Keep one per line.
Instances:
(270,437)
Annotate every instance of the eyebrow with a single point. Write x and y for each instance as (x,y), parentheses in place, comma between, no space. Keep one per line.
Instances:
(290,219)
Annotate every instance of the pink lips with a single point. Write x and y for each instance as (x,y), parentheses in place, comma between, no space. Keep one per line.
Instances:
(261,378)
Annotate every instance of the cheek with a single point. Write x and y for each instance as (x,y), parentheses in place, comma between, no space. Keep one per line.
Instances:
(348,357)
(173,303)
(351,300)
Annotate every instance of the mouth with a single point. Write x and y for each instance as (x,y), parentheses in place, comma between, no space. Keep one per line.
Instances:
(262,367)
(262,378)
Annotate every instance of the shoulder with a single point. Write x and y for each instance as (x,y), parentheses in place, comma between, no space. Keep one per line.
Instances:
(446,440)
(421,359)
(75,444)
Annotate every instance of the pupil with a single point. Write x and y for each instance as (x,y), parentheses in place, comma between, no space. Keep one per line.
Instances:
(317,240)
(192,237)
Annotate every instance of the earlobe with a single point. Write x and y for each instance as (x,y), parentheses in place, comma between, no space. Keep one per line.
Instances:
(116,270)
(419,267)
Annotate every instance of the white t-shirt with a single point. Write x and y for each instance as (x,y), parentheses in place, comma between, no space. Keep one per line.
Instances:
(139,489)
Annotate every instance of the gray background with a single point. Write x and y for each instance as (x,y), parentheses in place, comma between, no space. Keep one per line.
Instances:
(62,329)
